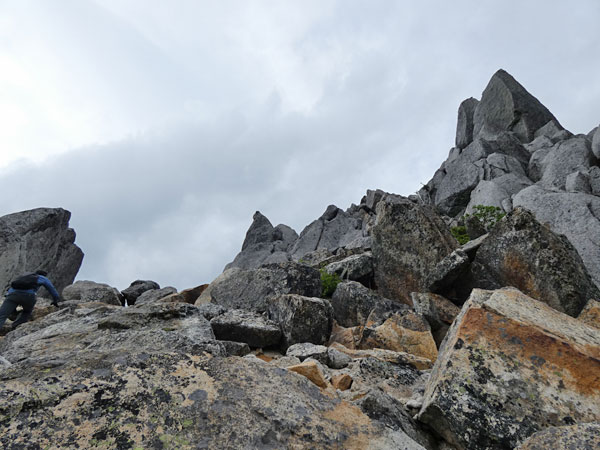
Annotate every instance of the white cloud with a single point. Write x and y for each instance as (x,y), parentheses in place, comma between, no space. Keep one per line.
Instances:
(163,126)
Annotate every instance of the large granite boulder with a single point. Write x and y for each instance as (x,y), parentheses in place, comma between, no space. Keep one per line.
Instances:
(510,366)
(252,289)
(154,295)
(39,239)
(302,319)
(507,106)
(89,291)
(575,215)
(409,240)
(264,244)
(357,267)
(596,143)
(523,253)
(137,288)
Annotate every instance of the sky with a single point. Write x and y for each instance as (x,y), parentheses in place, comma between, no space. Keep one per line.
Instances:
(163,126)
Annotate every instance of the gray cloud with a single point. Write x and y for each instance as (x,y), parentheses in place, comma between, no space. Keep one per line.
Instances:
(173,203)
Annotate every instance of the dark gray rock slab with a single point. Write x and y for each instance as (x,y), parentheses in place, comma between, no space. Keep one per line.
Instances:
(464,123)
(507,106)
(137,288)
(596,143)
(578,182)
(302,319)
(246,326)
(252,289)
(352,303)
(409,240)
(90,291)
(39,239)
(447,271)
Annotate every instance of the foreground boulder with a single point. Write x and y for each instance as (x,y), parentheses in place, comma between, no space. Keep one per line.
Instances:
(39,239)
(523,253)
(252,289)
(510,366)
(409,240)
(173,400)
(90,291)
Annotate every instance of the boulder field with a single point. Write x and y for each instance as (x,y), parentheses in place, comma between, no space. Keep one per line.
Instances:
(372,328)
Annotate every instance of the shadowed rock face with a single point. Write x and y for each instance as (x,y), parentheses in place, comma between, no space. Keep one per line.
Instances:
(510,366)
(523,253)
(39,239)
(409,240)
(584,436)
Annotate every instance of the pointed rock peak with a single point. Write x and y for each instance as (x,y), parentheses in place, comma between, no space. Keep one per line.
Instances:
(330,213)
(464,124)
(507,106)
(260,231)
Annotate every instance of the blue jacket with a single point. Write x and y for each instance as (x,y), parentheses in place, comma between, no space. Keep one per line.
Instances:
(42,281)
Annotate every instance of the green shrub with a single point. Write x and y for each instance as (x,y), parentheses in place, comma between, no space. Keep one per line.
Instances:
(460,234)
(488,216)
(329,282)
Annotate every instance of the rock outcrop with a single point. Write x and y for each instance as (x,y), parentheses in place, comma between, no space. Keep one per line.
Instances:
(510,366)
(39,239)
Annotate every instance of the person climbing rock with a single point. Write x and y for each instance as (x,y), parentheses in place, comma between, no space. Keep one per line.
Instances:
(22,293)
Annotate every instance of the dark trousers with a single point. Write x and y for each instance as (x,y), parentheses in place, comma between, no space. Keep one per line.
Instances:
(27,301)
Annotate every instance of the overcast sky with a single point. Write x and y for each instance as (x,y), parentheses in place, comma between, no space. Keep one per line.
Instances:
(163,126)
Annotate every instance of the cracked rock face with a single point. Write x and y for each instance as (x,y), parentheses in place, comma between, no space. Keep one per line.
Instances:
(510,366)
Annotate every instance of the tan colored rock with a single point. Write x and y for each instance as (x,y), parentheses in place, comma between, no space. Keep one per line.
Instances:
(510,366)
(348,337)
(591,313)
(310,370)
(173,298)
(386,355)
(402,332)
(341,382)
(191,295)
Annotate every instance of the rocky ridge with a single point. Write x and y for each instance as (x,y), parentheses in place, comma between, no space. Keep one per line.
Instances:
(424,343)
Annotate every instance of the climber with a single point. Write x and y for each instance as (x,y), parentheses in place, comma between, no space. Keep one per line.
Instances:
(22,293)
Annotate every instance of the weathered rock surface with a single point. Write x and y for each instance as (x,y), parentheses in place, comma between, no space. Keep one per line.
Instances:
(302,319)
(175,400)
(583,436)
(590,314)
(245,326)
(438,311)
(89,291)
(577,216)
(402,332)
(252,289)
(523,253)
(137,288)
(506,106)
(409,240)
(39,239)
(356,267)
(353,303)
(154,295)
(308,350)
(509,367)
